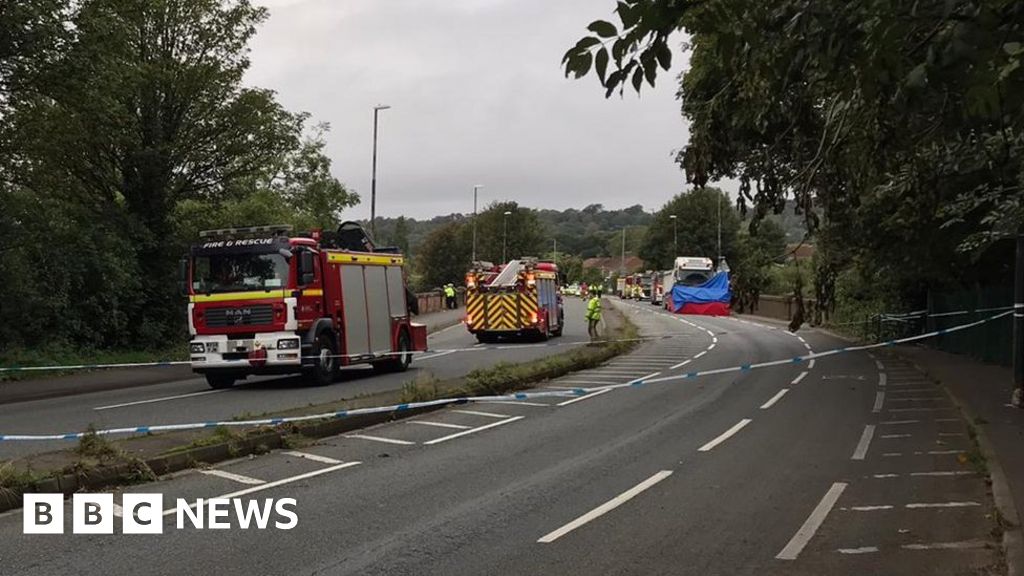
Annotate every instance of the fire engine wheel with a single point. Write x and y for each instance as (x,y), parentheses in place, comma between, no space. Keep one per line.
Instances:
(220,381)
(401,360)
(561,324)
(326,364)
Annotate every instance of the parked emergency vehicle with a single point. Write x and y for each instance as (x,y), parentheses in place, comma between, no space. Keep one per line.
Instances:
(668,280)
(264,302)
(692,270)
(518,299)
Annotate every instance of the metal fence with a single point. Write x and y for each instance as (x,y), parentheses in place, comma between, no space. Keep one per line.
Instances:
(993,342)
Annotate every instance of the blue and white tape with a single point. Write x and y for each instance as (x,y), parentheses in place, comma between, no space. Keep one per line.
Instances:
(504,397)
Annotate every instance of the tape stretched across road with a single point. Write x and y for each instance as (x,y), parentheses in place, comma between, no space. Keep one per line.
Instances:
(505,397)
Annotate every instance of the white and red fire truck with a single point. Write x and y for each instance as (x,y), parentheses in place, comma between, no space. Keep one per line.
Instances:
(264,302)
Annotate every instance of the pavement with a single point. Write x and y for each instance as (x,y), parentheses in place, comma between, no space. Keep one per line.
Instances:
(190,399)
(849,465)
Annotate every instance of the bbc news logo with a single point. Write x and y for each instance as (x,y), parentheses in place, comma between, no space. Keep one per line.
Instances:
(143,514)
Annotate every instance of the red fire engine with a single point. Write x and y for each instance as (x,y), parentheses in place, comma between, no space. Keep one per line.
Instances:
(264,302)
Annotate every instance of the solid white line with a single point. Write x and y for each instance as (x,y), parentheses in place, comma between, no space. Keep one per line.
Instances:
(439,424)
(942,505)
(232,476)
(882,379)
(879,400)
(313,457)
(277,483)
(472,430)
(798,378)
(947,545)
(865,441)
(591,395)
(813,522)
(380,439)
(605,508)
(487,414)
(725,435)
(771,402)
(861,550)
(438,355)
(164,399)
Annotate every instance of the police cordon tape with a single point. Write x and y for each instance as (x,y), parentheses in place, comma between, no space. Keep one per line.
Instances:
(580,391)
(908,316)
(168,363)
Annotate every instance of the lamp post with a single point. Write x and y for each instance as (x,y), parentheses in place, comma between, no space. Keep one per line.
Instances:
(476,188)
(504,238)
(675,236)
(622,262)
(373,181)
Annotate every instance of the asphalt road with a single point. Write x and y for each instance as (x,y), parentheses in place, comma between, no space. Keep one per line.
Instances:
(797,469)
(190,399)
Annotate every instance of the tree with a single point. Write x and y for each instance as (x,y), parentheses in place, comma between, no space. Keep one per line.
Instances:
(525,236)
(400,236)
(696,214)
(444,256)
(903,121)
(305,181)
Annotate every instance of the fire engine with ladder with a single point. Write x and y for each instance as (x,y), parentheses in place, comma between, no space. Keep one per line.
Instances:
(262,301)
(520,298)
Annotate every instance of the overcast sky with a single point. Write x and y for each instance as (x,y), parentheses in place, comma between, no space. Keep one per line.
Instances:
(478,97)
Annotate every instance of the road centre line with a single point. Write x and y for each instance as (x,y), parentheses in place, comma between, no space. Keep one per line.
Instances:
(232,476)
(810,365)
(439,424)
(891,436)
(162,399)
(472,430)
(591,395)
(681,364)
(942,505)
(800,377)
(869,508)
(313,457)
(964,545)
(771,402)
(380,439)
(605,508)
(929,474)
(813,522)
(861,550)
(486,414)
(725,435)
(275,483)
(865,441)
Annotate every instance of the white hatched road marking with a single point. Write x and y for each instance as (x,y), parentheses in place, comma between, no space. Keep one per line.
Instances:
(485,414)
(605,508)
(865,441)
(439,424)
(879,401)
(813,522)
(869,508)
(942,505)
(882,379)
(861,550)
(472,431)
(965,545)
(276,483)
(771,402)
(891,436)
(380,439)
(899,422)
(232,476)
(725,435)
(313,457)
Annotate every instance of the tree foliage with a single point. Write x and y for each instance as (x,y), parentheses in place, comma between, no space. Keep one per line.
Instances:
(125,127)
(902,121)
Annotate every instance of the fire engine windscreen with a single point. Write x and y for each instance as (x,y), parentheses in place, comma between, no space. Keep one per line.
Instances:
(238,272)
(692,277)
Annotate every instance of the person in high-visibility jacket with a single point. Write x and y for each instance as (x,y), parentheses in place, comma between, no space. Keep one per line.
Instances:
(449,297)
(594,314)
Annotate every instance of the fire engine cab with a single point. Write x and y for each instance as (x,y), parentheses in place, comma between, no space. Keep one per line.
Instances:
(264,302)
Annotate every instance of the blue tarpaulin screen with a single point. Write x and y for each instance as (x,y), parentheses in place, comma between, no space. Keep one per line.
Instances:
(714,290)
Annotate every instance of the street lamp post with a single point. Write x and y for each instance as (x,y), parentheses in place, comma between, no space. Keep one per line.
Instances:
(373,182)
(504,239)
(476,188)
(675,237)
(622,262)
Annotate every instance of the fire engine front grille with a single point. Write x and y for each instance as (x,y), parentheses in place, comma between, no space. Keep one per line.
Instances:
(239,316)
